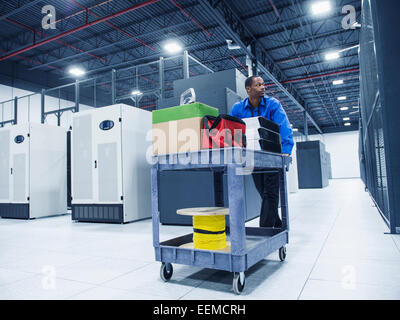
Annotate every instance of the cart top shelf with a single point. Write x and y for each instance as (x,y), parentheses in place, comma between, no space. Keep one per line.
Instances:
(219,159)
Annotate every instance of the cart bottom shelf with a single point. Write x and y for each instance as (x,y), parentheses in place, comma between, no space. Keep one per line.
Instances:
(260,242)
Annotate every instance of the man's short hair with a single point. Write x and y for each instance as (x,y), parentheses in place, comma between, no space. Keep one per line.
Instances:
(249,81)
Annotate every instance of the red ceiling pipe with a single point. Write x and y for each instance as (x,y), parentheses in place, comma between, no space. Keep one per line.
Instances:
(271,2)
(62,42)
(234,58)
(316,76)
(149,80)
(295,59)
(82,11)
(283,103)
(148,106)
(21,25)
(33,61)
(85,26)
(111,25)
(190,17)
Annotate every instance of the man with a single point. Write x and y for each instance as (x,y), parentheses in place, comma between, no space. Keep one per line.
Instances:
(267,184)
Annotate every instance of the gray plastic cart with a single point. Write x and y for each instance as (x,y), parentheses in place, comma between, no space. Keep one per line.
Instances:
(249,245)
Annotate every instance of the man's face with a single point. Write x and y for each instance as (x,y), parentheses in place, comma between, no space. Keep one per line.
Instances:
(257,88)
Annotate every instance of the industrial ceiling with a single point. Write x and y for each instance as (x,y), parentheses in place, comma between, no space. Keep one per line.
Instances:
(289,42)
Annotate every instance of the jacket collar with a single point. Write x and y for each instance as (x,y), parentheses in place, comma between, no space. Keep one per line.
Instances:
(263,103)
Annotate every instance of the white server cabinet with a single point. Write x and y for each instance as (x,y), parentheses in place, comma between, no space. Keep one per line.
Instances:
(110,174)
(33,177)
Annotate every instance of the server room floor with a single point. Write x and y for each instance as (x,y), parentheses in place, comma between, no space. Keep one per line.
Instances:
(338,250)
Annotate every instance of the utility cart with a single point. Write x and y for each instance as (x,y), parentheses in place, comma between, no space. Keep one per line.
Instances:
(249,245)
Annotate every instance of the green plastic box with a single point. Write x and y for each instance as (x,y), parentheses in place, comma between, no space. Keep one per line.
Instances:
(186,111)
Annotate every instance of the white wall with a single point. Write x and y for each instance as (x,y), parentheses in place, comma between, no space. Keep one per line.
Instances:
(343,147)
(29,108)
(292,176)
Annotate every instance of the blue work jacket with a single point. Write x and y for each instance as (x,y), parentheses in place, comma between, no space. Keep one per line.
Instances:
(271,109)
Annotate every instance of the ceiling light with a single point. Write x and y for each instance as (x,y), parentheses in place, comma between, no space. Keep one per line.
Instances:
(75,71)
(136,92)
(342,98)
(349,48)
(344,108)
(347,124)
(356,107)
(321,7)
(346,119)
(295,129)
(337,82)
(332,56)
(173,47)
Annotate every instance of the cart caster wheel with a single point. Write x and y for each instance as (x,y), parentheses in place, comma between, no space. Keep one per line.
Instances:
(166,271)
(282,253)
(239,281)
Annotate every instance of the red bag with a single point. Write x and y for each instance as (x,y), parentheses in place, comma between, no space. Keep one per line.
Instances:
(223,131)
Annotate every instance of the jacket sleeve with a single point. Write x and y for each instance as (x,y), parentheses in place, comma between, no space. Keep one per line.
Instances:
(279,116)
(234,112)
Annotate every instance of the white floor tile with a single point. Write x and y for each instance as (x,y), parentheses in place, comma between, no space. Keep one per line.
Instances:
(10,253)
(147,280)
(39,261)
(267,280)
(355,270)
(396,238)
(328,290)
(103,293)
(10,276)
(41,288)
(336,235)
(98,270)
(357,250)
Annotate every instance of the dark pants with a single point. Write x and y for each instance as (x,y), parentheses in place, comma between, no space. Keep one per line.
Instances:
(267,185)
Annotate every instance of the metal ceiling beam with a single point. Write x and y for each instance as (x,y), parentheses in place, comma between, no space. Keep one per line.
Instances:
(199,47)
(111,45)
(338,92)
(66,33)
(354,68)
(210,7)
(349,84)
(284,7)
(295,48)
(313,53)
(323,36)
(281,25)
(126,26)
(24,7)
(316,63)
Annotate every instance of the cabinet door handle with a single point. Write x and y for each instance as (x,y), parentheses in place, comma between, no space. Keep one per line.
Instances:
(95,164)
(11,171)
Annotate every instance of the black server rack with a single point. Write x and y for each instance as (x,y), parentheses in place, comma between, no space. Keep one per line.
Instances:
(379,111)
(312,165)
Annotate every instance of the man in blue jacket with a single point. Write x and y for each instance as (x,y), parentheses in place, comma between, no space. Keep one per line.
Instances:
(267,184)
